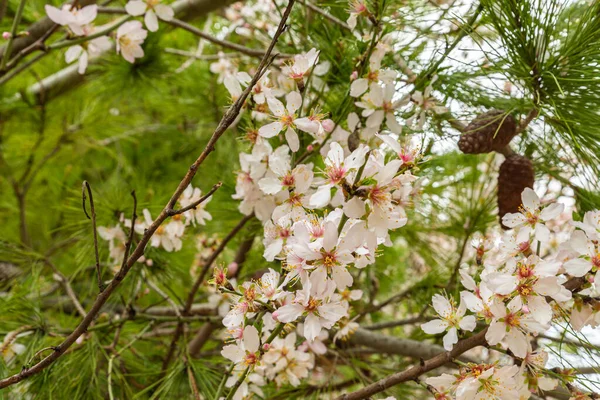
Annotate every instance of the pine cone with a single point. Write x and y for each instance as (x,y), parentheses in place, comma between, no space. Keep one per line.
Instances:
(489,131)
(516,174)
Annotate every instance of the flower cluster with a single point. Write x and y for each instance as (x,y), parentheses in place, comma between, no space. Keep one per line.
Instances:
(518,293)
(130,35)
(167,236)
(321,224)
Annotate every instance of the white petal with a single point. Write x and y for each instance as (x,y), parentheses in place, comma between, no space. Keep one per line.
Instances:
(151,21)
(578,267)
(164,12)
(442,305)
(495,333)
(293,100)
(312,327)
(358,87)
(434,327)
(468,323)
(73,53)
(354,208)
(58,16)
(276,106)
(251,339)
(531,201)
(288,313)
(136,8)
(292,139)
(270,185)
(552,211)
(450,339)
(270,130)
(233,353)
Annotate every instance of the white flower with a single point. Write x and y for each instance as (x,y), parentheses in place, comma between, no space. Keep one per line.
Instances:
(512,324)
(285,118)
(10,348)
(73,17)
(590,224)
(452,319)
(493,384)
(336,170)
(151,9)
(531,217)
(116,242)
(168,235)
(130,37)
(82,53)
(245,352)
(198,214)
(589,257)
(357,7)
(378,105)
(300,66)
(315,304)
(286,363)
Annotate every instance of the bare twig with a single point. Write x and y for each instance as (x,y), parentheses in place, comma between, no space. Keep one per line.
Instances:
(86,186)
(198,282)
(325,14)
(419,369)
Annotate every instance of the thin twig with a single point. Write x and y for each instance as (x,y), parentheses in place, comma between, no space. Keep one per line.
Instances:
(325,14)
(86,186)
(13,33)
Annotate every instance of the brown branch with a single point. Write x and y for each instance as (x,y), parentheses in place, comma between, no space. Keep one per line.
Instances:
(86,186)
(198,282)
(418,370)
(227,120)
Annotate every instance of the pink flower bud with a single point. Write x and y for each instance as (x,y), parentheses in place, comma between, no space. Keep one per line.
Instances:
(525,309)
(591,279)
(274,315)
(266,346)
(232,268)
(328,125)
(354,75)
(6,35)
(309,148)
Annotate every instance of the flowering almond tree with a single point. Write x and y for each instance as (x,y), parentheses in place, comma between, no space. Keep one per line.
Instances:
(402,202)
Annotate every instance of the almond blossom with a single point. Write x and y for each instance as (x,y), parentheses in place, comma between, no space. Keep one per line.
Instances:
(198,214)
(337,168)
(512,325)
(130,37)
(151,9)
(531,217)
(313,303)
(246,351)
(285,119)
(10,348)
(588,255)
(75,18)
(452,319)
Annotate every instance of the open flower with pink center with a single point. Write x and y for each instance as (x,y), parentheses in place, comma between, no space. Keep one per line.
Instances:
(246,351)
(334,254)
(512,325)
(378,105)
(313,302)
(451,319)
(337,168)
(285,117)
(300,66)
(281,176)
(532,216)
